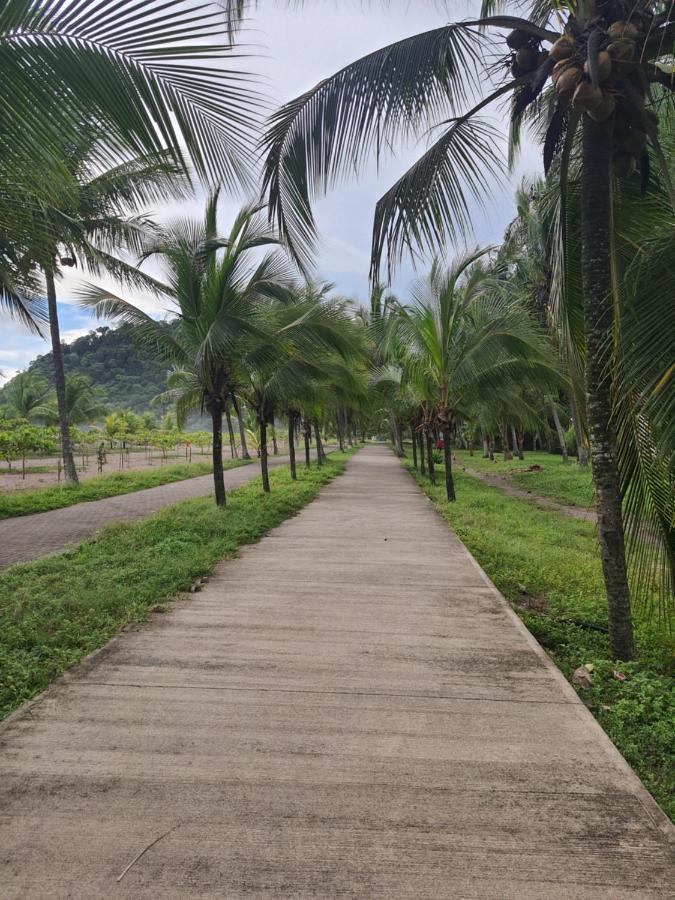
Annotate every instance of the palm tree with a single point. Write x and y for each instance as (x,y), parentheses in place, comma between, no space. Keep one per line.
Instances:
(84,403)
(217,292)
(605,62)
(461,341)
(24,394)
(290,359)
(87,230)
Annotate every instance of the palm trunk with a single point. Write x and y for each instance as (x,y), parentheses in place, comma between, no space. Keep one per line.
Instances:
(558,428)
(514,440)
(598,325)
(242,430)
(430,457)
(447,458)
(307,434)
(275,446)
(320,455)
(506,450)
(414,445)
(395,433)
(60,381)
(230,431)
(579,436)
(486,446)
(217,453)
(291,443)
(340,432)
(423,452)
(520,434)
(263,455)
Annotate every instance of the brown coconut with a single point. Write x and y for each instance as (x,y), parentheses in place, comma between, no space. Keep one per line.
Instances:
(562,49)
(604,66)
(586,97)
(604,109)
(568,80)
(622,31)
(621,51)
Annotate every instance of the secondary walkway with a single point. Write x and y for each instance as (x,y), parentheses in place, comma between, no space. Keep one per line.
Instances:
(348,710)
(513,490)
(28,537)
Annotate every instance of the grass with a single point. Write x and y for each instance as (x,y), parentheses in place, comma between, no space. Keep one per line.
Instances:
(565,482)
(547,565)
(56,610)
(23,503)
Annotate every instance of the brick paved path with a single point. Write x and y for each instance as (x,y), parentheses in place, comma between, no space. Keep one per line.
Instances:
(28,537)
(348,710)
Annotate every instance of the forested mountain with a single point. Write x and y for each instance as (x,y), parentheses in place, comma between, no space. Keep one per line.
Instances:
(129,376)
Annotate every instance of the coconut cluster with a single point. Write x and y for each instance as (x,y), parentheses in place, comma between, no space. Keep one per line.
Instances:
(597,73)
(607,87)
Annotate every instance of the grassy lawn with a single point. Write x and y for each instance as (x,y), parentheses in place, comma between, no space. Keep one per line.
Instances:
(22,503)
(547,565)
(56,610)
(566,482)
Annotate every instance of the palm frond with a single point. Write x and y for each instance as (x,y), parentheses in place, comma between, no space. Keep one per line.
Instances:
(316,139)
(432,199)
(152,77)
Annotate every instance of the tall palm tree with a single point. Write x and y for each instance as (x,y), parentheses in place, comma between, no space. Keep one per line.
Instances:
(603,60)
(87,229)
(462,341)
(217,291)
(291,358)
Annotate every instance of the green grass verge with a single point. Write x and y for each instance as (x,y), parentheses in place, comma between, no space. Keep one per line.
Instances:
(23,503)
(566,482)
(57,609)
(547,565)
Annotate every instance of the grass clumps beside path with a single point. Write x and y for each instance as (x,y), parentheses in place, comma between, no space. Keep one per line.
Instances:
(547,565)
(58,609)
(23,503)
(567,483)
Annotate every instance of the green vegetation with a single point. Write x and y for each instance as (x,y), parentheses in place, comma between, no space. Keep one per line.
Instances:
(23,503)
(566,482)
(547,565)
(56,610)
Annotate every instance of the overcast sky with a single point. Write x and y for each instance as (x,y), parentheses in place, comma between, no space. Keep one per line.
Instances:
(298,47)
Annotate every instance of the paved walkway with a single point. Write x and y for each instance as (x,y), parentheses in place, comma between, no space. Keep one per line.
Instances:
(348,710)
(28,537)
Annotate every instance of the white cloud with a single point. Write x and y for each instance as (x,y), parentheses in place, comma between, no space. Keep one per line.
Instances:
(299,46)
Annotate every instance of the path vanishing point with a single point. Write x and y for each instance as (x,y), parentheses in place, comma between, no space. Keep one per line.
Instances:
(349,709)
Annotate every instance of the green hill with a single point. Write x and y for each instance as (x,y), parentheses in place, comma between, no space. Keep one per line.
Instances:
(129,377)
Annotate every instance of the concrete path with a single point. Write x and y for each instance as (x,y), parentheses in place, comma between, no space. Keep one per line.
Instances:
(28,537)
(348,710)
